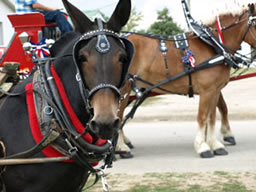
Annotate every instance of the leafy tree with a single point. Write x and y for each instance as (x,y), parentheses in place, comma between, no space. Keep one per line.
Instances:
(105,17)
(164,24)
(133,21)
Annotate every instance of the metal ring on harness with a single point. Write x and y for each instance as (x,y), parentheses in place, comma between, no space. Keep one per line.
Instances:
(48,110)
(4,154)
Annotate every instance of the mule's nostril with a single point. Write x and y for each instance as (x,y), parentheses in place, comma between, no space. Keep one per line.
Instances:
(93,126)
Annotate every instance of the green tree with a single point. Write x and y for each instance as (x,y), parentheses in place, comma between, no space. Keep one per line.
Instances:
(133,21)
(164,24)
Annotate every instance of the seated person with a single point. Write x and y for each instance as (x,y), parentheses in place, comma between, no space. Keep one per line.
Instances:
(51,15)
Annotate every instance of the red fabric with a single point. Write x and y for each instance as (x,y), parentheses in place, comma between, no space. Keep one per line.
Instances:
(219,31)
(100,142)
(77,124)
(34,124)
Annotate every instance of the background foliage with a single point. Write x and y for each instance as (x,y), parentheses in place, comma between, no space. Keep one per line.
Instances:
(164,25)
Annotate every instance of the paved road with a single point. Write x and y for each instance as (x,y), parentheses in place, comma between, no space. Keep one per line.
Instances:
(163,132)
(168,147)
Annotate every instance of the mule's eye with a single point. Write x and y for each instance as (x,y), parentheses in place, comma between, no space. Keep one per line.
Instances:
(123,59)
(82,58)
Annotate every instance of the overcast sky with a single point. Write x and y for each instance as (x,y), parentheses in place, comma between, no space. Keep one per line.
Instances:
(201,9)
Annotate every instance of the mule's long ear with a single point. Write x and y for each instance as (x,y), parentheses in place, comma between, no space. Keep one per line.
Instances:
(252,8)
(81,22)
(120,16)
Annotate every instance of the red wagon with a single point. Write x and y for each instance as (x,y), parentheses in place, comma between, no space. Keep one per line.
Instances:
(28,27)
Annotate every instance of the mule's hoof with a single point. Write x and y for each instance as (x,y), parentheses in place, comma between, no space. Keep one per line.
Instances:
(220,152)
(114,158)
(121,152)
(130,145)
(126,155)
(230,140)
(206,154)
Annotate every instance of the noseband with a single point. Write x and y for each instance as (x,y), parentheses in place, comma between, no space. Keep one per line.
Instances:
(102,46)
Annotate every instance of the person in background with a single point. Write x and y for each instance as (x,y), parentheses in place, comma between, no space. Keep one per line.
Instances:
(51,15)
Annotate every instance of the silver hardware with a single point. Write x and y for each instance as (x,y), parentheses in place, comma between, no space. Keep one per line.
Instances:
(48,110)
(104,183)
(49,78)
(71,147)
(78,77)
(103,45)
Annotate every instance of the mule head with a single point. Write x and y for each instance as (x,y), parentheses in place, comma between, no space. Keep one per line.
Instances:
(102,59)
(250,34)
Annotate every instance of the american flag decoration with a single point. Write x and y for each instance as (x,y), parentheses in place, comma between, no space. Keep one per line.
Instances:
(189,58)
(41,49)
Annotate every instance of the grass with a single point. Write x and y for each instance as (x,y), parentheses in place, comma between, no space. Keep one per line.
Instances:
(242,71)
(218,181)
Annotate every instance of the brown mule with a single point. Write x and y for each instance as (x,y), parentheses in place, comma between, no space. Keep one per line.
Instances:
(148,64)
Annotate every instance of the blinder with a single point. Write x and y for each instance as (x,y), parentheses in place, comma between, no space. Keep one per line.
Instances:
(102,46)
(251,23)
(129,48)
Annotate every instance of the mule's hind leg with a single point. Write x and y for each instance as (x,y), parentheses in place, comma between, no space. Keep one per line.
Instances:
(122,148)
(225,127)
(128,142)
(216,146)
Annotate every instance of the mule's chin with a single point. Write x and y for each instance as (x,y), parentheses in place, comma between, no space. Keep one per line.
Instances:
(106,135)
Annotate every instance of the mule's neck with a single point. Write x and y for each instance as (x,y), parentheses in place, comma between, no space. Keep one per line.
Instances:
(234,29)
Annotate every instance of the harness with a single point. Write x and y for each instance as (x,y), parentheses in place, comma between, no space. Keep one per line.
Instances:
(182,44)
(54,118)
(224,55)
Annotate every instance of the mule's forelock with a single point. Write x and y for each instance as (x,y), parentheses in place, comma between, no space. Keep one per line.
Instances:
(80,21)
(229,9)
(120,16)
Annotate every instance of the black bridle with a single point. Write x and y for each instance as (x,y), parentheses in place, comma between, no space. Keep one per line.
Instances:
(251,22)
(103,46)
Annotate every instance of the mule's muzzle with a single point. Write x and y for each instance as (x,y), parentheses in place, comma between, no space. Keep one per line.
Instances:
(104,130)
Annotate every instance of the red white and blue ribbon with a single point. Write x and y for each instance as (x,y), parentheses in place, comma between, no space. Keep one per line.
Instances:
(189,58)
(41,49)
(219,29)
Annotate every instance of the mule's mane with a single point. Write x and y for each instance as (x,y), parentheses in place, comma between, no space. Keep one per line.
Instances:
(233,11)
